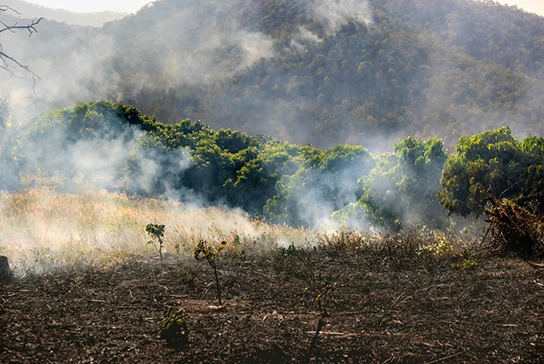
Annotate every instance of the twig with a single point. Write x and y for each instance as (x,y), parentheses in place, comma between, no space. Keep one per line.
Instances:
(6,8)
(5,58)
(214,266)
(446,358)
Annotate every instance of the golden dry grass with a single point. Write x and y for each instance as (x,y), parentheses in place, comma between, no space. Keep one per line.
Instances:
(43,229)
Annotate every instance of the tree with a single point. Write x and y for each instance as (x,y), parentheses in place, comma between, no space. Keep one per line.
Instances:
(325,182)
(8,62)
(401,190)
(492,166)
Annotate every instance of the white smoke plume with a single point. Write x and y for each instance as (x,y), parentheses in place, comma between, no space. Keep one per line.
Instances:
(336,13)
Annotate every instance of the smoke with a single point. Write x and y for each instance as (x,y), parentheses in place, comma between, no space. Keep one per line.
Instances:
(43,230)
(178,44)
(195,45)
(326,193)
(73,64)
(334,14)
(201,44)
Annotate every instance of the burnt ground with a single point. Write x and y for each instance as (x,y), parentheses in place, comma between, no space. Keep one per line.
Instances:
(387,307)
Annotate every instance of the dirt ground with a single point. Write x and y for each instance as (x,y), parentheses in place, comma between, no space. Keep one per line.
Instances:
(387,307)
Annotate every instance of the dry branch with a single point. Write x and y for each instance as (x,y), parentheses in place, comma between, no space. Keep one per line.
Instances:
(8,62)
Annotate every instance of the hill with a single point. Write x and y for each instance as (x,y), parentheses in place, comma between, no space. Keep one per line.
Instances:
(316,72)
(31,11)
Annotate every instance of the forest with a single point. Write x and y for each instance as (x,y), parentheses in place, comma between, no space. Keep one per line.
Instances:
(113,146)
(368,73)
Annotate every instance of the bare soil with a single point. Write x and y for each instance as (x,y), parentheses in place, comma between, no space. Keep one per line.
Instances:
(387,307)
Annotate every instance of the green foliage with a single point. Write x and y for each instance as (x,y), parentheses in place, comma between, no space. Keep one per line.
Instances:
(401,189)
(174,329)
(326,181)
(439,249)
(203,251)
(493,165)
(301,185)
(468,264)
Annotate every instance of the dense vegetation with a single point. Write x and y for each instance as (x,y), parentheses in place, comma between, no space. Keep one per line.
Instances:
(422,68)
(115,147)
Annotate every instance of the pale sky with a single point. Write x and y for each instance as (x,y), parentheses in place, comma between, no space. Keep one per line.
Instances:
(131,6)
(532,6)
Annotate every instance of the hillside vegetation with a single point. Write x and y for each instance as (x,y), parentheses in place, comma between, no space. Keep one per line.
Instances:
(305,72)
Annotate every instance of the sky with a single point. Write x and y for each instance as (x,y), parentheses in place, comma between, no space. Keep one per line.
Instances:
(131,6)
(532,6)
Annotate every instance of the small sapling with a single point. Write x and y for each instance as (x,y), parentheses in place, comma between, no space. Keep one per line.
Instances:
(322,302)
(157,233)
(205,252)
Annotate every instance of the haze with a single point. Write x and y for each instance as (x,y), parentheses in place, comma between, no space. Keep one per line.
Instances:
(121,6)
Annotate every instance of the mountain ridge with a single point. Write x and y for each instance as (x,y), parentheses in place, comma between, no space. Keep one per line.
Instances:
(324,73)
(29,10)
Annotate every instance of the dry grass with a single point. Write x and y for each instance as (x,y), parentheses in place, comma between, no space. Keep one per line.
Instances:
(43,229)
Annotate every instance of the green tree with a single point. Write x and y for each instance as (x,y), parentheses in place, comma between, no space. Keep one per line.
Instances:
(325,182)
(401,190)
(490,166)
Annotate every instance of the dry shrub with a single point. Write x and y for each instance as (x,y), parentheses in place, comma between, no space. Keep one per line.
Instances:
(515,229)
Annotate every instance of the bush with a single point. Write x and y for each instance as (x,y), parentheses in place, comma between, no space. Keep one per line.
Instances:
(515,229)
(174,328)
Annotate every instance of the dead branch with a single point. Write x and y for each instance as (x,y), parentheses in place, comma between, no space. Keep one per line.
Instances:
(4,8)
(9,63)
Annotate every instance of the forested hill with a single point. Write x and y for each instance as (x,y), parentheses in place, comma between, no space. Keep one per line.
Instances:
(319,72)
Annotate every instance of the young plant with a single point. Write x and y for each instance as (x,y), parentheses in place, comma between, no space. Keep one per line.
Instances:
(157,233)
(174,328)
(322,301)
(205,252)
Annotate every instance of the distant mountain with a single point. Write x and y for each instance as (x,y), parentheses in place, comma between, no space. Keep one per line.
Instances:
(320,72)
(31,11)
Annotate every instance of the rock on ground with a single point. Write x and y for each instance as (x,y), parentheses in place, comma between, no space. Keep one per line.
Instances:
(4,266)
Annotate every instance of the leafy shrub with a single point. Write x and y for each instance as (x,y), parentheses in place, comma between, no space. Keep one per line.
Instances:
(440,249)
(467,264)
